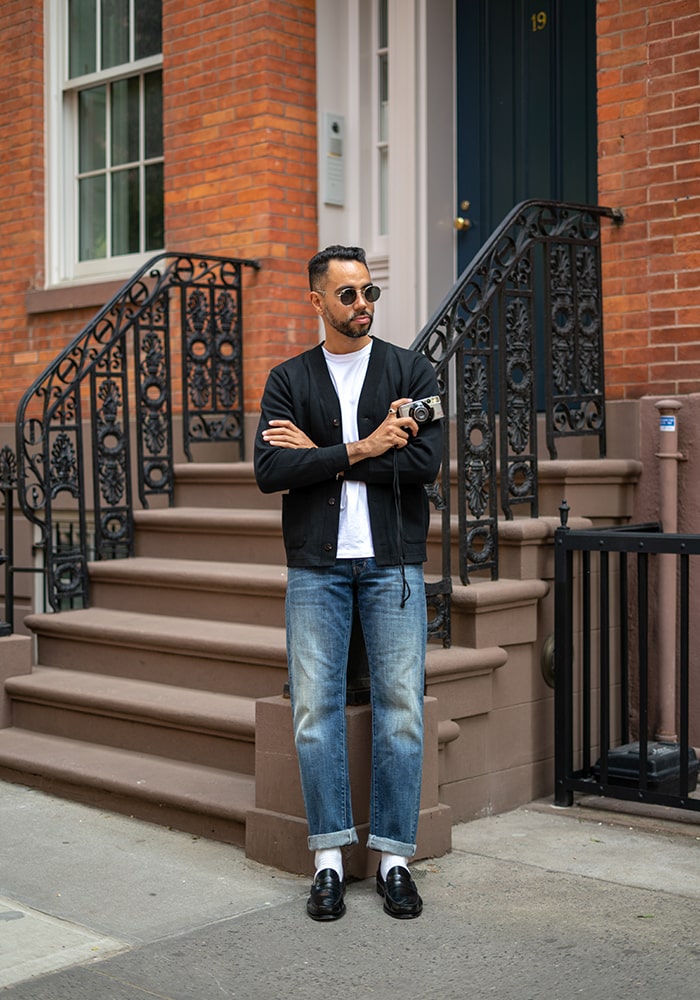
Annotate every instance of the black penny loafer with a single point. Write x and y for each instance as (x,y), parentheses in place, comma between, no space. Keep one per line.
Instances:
(326,901)
(401,897)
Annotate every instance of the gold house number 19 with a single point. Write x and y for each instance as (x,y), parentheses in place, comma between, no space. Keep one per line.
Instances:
(539,20)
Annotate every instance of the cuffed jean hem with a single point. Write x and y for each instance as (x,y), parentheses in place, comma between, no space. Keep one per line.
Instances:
(341,838)
(387,846)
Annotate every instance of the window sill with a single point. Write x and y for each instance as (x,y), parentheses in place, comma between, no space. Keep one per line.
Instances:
(79,296)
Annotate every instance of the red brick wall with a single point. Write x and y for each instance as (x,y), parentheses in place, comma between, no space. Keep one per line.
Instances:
(240,156)
(649,165)
(22,192)
(240,153)
(240,148)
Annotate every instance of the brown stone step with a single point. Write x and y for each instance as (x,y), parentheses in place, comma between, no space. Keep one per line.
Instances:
(243,592)
(210,533)
(205,801)
(200,727)
(247,536)
(228,485)
(231,657)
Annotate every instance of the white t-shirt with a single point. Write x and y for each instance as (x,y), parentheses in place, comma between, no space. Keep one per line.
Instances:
(347,373)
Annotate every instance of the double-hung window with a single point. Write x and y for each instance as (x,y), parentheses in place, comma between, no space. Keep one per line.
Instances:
(382,117)
(106,137)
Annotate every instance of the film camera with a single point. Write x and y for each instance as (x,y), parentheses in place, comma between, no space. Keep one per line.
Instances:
(422,410)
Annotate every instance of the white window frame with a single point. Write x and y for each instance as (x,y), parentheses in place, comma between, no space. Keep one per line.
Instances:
(381,121)
(379,241)
(61,144)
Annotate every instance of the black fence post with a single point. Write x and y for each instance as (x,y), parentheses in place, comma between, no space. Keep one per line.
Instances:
(563,661)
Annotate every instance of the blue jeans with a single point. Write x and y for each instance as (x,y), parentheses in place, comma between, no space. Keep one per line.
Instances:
(319,613)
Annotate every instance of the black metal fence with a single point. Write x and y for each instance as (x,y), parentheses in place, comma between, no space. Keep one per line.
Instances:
(611,665)
(96,429)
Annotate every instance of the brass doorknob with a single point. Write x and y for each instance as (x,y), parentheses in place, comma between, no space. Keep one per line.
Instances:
(460,223)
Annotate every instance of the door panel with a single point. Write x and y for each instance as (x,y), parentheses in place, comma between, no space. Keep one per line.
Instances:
(525,108)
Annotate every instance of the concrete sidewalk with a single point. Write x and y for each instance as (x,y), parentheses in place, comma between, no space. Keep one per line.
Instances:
(536,904)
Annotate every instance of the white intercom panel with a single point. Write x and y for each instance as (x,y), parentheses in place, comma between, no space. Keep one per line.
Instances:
(333,159)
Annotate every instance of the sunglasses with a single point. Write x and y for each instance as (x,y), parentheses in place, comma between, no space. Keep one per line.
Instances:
(370,293)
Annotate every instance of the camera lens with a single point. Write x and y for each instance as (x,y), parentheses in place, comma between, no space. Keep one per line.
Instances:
(420,413)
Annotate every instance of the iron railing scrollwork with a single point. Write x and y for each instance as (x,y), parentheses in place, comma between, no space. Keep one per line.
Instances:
(8,482)
(125,353)
(522,326)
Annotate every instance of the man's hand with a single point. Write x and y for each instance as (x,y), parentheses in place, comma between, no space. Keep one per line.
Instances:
(393,432)
(285,434)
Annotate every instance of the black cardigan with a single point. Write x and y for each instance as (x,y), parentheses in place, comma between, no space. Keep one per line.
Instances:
(301,390)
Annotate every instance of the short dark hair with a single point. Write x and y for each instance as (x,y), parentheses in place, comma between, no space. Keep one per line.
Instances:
(318,265)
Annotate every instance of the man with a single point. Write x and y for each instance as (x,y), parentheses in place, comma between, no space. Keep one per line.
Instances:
(355,521)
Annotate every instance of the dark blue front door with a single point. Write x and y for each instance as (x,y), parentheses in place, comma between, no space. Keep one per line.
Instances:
(526,114)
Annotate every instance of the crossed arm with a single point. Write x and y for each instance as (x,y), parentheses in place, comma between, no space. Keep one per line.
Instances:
(393,432)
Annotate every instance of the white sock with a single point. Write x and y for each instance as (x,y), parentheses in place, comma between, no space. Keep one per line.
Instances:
(390,861)
(329,857)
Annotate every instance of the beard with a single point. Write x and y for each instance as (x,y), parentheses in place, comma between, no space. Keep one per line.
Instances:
(346,327)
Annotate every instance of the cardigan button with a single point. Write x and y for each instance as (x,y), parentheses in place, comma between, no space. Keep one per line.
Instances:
(336,422)
(331,502)
(328,547)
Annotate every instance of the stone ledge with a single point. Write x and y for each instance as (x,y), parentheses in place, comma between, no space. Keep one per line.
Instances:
(87,295)
(15,661)
(496,612)
(459,661)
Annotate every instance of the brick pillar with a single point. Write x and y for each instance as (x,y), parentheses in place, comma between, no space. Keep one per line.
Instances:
(22,203)
(648,150)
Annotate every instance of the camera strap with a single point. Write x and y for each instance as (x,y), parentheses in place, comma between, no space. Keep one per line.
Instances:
(405,590)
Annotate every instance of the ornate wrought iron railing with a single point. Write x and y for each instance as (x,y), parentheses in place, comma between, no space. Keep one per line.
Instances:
(520,331)
(81,440)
